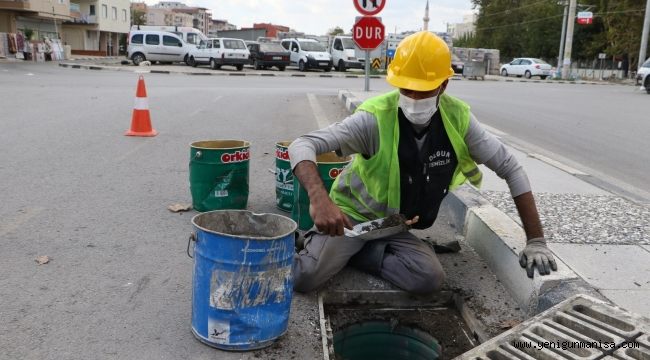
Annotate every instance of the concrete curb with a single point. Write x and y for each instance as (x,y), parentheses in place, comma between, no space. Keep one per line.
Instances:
(574,82)
(146,69)
(498,239)
(90,58)
(350,101)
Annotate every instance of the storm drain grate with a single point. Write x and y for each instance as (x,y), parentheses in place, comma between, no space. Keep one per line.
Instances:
(580,327)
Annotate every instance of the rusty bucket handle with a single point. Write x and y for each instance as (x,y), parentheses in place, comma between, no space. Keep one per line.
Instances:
(191,238)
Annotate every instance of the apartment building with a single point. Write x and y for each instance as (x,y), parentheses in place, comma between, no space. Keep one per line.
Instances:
(467,27)
(139,6)
(98,29)
(217,25)
(183,19)
(201,17)
(43,18)
(159,17)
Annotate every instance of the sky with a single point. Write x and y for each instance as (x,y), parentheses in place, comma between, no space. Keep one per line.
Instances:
(316,17)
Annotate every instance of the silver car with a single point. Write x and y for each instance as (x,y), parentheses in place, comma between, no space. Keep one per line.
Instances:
(156,46)
(527,67)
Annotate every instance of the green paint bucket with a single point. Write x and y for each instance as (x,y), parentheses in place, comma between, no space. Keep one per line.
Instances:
(283,177)
(330,166)
(219,174)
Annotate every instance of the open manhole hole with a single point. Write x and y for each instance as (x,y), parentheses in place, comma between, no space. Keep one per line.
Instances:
(384,340)
(377,325)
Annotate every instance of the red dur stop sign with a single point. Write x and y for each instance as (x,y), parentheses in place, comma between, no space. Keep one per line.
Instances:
(368,33)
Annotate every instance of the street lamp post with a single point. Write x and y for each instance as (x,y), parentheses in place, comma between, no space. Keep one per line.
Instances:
(644,34)
(566,65)
(560,56)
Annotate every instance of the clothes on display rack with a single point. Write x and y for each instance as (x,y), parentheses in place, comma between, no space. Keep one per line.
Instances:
(4,45)
(20,42)
(12,43)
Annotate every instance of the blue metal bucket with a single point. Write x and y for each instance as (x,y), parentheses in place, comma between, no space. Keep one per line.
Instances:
(242,282)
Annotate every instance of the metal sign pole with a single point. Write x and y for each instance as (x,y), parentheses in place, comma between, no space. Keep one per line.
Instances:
(367,63)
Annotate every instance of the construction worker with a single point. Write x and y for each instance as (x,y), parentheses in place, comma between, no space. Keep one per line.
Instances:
(413,145)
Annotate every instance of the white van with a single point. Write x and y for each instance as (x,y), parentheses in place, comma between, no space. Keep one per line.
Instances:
(308,54)
(160,46)
(190,35)
(220,51)
(344,53)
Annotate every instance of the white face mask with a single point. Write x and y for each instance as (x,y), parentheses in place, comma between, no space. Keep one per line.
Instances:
(418,112)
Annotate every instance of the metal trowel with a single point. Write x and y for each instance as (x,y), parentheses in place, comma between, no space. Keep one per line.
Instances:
(373,229)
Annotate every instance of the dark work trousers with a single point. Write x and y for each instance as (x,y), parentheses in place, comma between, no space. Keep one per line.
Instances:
(402,259)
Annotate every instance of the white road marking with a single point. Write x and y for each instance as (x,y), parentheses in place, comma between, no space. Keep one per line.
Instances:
(29,74)
(132,151)
(319,114)
(557,164)
(197,111)
(13,224)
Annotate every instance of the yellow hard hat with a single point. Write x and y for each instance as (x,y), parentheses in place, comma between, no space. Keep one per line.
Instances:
(422,62)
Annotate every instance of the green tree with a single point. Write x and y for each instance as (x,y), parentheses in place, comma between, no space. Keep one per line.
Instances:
(622,22)
(336,31)
(466,41)
(533,28)
(519,27)
(138,17)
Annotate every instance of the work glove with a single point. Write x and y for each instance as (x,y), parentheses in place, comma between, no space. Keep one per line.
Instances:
(537,253)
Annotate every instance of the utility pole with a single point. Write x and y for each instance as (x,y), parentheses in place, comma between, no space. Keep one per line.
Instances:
(644,34)
(566,66)
(561,52)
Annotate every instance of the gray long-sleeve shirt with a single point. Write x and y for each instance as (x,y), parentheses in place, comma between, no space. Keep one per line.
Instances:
(359,134)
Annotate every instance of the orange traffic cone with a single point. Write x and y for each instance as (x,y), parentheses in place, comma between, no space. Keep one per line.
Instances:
(141,121)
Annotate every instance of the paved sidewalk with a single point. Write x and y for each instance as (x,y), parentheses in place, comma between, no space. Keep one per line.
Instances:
(602,238)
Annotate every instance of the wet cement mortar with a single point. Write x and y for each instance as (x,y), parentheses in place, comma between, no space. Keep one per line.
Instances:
(584,219)
(393,220)
(470,277)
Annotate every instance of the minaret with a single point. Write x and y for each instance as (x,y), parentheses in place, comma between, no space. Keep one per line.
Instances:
(426,18)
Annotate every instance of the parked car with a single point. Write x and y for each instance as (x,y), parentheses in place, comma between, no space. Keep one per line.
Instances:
(643,76)
(217,52)
(344,53)
(527,67)
(308,54)
(190,35)
(160,46)
(268,54)
(457,64)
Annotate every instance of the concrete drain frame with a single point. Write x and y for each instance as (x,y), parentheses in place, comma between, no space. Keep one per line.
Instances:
(343,308)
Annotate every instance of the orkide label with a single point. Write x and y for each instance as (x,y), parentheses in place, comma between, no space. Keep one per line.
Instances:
(237,156)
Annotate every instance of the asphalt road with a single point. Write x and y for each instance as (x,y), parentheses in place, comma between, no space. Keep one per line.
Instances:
(600,130)
(75,189)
